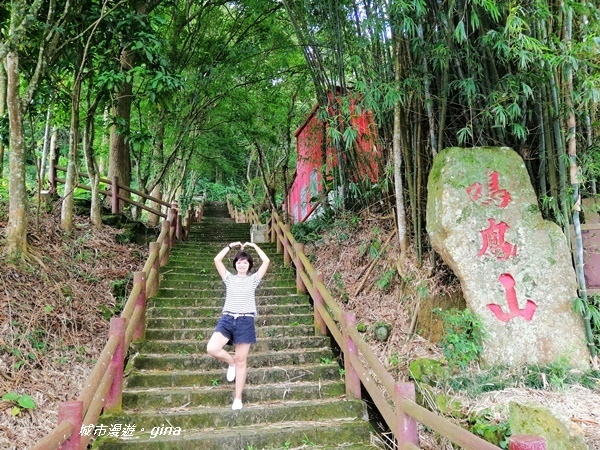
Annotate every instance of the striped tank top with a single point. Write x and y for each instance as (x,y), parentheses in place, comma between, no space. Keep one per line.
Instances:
(240,295)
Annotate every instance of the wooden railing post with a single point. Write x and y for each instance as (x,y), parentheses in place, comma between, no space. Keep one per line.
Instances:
(174,234)
(350,374)
(71,412)
(279,233)
(140,329)
(114,191)
(320,325)
(526,442)
(166,228)
(154,248)
(287,259)
(179,228)
(118,326)
(273,225)
(298,249)
(406,426)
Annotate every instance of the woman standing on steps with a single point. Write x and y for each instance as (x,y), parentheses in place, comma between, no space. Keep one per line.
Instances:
(236,326)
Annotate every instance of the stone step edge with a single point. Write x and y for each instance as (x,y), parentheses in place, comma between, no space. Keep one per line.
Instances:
(228,387)
(249,407)
(276,428)
(252,354)
(218,372)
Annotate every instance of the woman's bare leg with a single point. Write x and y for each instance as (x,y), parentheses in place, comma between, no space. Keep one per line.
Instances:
(215,348)
(241,355)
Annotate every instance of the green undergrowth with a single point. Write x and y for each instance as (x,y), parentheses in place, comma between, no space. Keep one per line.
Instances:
(459,376)
(444,389)
(554,376)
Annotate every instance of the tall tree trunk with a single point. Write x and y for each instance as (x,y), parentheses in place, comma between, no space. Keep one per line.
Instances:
(153,219)
(397,150)
(574,177)
(2,110)
(428,98)
(119,161)
(66,217)
(53,153)
(16,231)
(45,146)
(92,166)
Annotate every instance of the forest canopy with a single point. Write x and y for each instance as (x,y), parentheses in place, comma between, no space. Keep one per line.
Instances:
(188,97)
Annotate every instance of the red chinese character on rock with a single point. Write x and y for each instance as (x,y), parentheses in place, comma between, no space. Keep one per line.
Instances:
(494,243)
(513,305)
(494,195)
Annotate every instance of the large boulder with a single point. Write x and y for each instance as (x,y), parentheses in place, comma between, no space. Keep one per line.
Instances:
(514,267)
(536,420)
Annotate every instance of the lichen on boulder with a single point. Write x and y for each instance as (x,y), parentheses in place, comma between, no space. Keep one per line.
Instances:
(534,419)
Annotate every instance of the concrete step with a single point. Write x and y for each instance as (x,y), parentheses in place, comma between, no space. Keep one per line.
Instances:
(210,417)
(274,276)
(220,395)
(217,300)
(218,291)
(158,319)
(270,375)
(166,362)
(265,344)
(272,331)
(155,310)
(342,434)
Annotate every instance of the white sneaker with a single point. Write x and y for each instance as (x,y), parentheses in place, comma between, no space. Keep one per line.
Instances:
(231,373)
(237,404)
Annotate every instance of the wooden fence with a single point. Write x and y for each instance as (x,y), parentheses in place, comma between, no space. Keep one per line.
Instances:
(103,388)
(395,401)
(115,186)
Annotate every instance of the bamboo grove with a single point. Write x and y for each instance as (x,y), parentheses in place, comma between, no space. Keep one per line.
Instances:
(466,73)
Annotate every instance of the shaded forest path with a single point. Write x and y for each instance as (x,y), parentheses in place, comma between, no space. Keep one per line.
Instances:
(177,397)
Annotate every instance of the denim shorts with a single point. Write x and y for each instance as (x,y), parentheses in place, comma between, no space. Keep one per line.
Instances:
(238,330)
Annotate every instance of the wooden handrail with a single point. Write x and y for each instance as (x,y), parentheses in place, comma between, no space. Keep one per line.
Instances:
(395,401)
(119,187)
(103,387)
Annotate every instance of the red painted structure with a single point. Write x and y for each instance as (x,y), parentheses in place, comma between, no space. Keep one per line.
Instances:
(315,152)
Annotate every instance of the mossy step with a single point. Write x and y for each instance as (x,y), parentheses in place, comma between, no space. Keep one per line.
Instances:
(207,260)
(211,278)
(195,347)
(156,319)
(166,291)
(252,414)
(214,311)
(222,394)
(216,301)
(169,273)
(201,268)
(205,333)
(199,250)
(255,376)
(203,248)
(198,362)
(341,434)
(213,281)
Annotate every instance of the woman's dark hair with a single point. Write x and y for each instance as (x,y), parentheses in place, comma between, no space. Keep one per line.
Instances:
(243,255)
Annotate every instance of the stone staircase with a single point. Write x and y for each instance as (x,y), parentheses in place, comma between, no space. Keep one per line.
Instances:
(177,397)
